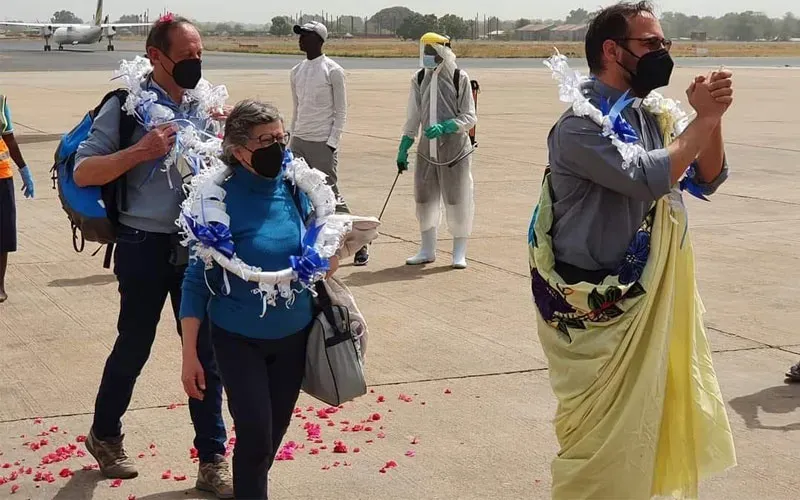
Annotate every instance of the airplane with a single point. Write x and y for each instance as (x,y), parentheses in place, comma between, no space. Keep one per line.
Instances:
(75,34)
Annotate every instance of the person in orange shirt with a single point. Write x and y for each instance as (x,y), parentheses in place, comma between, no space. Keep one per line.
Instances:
(9,155)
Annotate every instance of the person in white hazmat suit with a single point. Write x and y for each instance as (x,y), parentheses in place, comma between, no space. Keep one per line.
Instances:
(443,174)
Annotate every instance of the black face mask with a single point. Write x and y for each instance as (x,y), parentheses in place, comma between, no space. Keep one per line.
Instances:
(653,71)
(268,161)
(187,73)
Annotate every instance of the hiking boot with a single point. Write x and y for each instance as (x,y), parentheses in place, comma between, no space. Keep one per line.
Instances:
(793,375)
(114,462)
(362,257)
(215,477)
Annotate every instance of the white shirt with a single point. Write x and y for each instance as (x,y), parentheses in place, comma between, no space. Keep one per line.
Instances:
(320,101)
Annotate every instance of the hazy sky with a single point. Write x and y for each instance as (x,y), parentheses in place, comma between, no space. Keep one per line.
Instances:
(254,11)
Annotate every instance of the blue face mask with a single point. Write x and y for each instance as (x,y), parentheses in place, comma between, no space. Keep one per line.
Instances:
(429,61)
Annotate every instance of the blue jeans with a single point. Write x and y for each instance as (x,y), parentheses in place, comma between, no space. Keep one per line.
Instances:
(149,267)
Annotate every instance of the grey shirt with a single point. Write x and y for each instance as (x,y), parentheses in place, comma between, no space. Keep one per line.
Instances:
(152,204)
(598,206)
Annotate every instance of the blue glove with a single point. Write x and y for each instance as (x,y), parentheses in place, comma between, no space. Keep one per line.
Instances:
(440,129)
(27,182)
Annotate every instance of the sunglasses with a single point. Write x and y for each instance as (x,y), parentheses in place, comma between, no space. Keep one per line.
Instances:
(651,42)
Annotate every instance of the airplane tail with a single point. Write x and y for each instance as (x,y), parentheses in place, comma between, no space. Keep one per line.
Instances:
(98,15)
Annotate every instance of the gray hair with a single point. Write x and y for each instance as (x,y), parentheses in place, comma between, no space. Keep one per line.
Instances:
(245,116)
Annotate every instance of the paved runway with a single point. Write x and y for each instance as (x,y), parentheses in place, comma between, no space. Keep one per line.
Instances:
(28,55)
(431,328)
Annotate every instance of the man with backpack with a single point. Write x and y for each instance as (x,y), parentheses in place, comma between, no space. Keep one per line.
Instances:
(149,261)
(9,155)
(441,102)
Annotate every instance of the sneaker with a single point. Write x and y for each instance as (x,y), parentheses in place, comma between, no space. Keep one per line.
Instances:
(362,257)
(110,454)
(215,477)
(793,375)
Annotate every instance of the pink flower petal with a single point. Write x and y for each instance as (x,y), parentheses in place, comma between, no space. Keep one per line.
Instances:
(448,391)
(331,410)
(65,473)
(372,391)
(14,488)
(314,451)
(116,483)
(411,453)
(375,417)
(331,423)
(141,455)
(172,406)
(193,453)
(340,447)
(381,435)
(131,497)
(391,464)
(180,478)
(405,398)
(37,420)
(54,428)
(370,441)
(167,474)
(381,399)
(322,414)
(415,440)
(356,450)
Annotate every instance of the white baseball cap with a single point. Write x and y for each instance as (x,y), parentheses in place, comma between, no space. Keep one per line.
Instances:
(313,27)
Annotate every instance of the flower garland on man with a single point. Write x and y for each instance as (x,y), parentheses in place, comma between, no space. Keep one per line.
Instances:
(640,412)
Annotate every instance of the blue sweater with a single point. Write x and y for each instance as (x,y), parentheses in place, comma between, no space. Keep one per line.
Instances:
(266,230)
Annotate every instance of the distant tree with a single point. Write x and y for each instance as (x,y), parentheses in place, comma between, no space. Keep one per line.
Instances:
(391,18)
(223,28)
(417,25)
(521,23)
(454,27)
(280,26)
(129,18)
(238,28)
(65,17)
(577,16)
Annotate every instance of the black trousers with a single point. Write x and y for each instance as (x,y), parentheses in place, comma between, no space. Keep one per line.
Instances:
(262,379)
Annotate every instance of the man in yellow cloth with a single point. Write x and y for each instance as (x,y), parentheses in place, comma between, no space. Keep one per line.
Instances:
(640,413)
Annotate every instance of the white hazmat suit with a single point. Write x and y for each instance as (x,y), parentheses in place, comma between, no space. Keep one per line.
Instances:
(443,167)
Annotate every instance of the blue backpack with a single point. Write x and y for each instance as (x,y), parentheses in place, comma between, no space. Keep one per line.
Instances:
(93,211)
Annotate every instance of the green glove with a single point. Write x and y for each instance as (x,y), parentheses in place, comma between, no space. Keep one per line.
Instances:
(440,129)
(402,154)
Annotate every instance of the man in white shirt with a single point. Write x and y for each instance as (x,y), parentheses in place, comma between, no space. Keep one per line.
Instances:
(320,110)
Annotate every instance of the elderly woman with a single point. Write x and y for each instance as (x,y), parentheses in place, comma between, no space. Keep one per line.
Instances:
(261,357)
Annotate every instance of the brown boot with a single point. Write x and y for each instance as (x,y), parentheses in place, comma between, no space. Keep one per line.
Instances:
(215,477)
(111,456)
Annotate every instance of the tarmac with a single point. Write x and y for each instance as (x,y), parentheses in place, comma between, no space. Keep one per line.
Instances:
(475,419)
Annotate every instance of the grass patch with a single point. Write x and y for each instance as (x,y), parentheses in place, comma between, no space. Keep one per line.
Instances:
(484,49)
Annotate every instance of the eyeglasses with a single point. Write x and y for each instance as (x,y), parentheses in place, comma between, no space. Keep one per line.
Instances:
(651,42)
(266,141)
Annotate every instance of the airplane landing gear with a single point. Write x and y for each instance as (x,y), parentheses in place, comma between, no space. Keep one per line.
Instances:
(110,47)
(60,47)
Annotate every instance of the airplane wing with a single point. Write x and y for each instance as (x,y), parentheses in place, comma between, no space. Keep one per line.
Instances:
(40,25)
(124,25)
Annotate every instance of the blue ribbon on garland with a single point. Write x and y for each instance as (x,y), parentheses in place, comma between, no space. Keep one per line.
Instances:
(215,235)
(619,125)
(311,264)
(690,185)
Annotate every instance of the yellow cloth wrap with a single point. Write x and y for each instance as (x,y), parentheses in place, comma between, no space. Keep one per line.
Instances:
(640,412)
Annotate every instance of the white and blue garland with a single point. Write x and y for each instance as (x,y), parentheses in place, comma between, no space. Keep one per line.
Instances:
(204,222)
(618,131)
